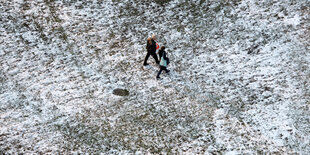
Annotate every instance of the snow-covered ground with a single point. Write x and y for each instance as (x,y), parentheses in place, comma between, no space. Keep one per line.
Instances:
(239,81)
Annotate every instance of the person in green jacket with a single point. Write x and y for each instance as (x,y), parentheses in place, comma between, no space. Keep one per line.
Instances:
(164,61)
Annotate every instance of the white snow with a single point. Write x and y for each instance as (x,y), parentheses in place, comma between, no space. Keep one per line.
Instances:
(239,81)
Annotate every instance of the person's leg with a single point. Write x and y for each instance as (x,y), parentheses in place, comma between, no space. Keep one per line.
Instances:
(146,57)
(161,69)
(156,58)
(166,70)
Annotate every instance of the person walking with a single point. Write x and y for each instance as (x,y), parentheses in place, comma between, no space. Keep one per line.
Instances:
(161,51)
(164,61)
(151,47)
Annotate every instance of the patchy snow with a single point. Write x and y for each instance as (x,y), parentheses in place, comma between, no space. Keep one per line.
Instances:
(239,81)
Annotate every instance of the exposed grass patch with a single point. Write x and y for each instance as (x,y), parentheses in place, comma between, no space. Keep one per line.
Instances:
(162,2)
(134,128)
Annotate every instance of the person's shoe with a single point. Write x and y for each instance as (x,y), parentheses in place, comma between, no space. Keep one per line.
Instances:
(157,78)
(145,64)
(168,71)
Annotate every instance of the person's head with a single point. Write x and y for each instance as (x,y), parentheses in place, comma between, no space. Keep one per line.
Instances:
(163,48)
(149,40)
(153,36)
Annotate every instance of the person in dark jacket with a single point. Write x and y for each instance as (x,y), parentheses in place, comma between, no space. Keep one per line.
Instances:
(164,61)
(161,51)
(151,50)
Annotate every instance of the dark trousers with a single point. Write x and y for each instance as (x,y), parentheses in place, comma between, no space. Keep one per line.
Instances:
(153,55)
(161,69)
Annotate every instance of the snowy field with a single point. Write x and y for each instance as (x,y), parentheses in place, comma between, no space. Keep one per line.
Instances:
(239,81)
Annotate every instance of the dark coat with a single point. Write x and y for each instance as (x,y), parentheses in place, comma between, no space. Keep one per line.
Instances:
(162,53)
(152,48)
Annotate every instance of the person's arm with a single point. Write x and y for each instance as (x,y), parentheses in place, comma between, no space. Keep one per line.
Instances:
(165,55)
(147,45)
(166,58)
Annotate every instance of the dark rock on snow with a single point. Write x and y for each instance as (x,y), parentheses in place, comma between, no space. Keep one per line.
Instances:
(120,92)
